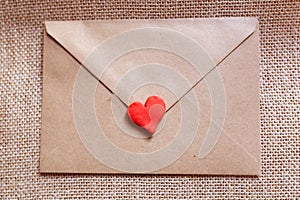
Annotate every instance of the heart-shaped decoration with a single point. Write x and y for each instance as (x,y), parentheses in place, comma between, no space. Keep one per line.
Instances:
(149,115)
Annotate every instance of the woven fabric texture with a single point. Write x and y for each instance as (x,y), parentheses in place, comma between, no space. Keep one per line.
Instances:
(21,42)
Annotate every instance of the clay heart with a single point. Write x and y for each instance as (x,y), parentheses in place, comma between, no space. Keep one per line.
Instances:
(149,115)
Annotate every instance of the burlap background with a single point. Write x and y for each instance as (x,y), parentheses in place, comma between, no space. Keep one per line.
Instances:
(20,108)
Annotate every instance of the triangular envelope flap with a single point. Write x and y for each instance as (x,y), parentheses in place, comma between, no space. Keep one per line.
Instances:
(218,37)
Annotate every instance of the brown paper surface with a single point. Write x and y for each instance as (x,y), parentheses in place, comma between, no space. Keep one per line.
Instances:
(231,44)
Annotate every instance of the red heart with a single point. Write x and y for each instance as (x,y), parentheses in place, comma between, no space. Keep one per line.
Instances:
(147,116)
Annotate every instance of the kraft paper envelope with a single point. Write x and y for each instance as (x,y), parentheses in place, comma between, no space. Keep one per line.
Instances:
(206,70)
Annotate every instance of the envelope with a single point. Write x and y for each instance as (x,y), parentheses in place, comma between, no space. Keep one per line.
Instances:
(206,70)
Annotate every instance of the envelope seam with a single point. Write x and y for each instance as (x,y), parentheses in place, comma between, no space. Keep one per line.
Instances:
(53,38)
(211,70)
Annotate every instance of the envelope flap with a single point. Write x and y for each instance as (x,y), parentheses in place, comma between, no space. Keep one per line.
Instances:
(217,38)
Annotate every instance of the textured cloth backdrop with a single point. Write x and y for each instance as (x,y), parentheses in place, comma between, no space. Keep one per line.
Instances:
(21,89)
